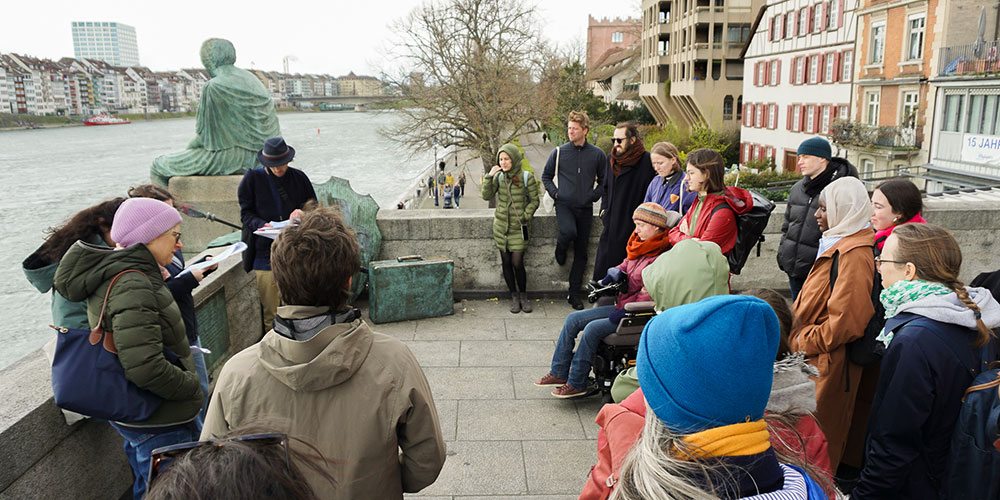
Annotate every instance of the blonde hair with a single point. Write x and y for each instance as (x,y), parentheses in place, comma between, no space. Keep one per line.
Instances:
(581,118)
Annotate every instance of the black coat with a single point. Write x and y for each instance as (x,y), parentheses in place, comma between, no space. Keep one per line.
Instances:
(260,204)
(915,410)
(800,232)
(621,194)
(180,287)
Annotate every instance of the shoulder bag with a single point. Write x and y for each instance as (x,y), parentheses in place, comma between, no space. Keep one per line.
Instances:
(548,203)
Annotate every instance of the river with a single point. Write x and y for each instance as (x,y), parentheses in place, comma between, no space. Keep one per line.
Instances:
(47,175)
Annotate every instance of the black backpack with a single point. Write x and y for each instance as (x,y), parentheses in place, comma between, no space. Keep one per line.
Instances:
(865,350)
(974,458)
(750,228)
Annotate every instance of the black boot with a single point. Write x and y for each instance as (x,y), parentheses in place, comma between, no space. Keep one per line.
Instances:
(574,300)
(525,304)
(515,303)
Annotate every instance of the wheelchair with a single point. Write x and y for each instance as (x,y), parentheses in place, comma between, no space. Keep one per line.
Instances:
(617,351)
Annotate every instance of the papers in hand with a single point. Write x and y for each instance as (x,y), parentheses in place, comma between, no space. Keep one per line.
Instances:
(231,250)
(272,232)
(196,349)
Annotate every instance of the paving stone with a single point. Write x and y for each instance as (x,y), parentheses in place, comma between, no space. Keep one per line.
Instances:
(506,353)
(497,309)
(540,328)
(435,352)
(558,466)
(558,308)
(402,330)
(517,419)
(422,497)
(481,468)
(522,497)
(470,382)
(448,416)
(524,383)
(460,328)
(588,408)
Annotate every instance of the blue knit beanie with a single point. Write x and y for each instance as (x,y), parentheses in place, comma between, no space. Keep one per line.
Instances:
(816,146)
(710,363)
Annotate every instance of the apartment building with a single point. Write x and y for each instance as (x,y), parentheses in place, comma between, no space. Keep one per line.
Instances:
(797,76)
(359,85)
(5,91)
(112,42)
(692,72)
(615,78)
(606,34)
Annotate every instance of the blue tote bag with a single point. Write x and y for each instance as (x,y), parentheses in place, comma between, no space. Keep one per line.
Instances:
(88,378)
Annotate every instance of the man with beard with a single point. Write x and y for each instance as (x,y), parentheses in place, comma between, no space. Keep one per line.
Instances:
(627,176)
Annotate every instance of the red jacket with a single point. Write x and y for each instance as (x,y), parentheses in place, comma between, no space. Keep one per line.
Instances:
(718,227)
(621,424)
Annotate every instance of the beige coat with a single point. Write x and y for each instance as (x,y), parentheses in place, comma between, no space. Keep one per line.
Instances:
(360,397)
(827,321)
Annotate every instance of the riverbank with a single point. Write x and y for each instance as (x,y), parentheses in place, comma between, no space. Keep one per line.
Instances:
(11,122)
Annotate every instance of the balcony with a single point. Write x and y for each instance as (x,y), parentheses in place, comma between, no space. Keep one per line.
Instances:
(972,59)
(859,135)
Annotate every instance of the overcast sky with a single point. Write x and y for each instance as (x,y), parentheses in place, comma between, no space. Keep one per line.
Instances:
(332,37)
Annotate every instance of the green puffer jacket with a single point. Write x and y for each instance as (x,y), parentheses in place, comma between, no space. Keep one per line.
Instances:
(506,228)
(144,318)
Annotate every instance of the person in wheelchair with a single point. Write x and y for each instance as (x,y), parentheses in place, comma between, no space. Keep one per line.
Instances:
(570,370)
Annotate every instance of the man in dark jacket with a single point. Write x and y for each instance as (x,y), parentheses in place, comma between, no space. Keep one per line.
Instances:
(272,193)
(580,166)
(800,232)
(626,178)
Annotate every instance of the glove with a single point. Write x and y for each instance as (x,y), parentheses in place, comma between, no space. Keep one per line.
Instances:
(616,316)
(614,275)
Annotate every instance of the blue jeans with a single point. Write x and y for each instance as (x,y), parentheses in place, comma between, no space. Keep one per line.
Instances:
(576,367)
(139,446)
(795,286)
(202,369)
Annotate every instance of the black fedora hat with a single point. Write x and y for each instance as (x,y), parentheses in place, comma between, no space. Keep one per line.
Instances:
(275,153)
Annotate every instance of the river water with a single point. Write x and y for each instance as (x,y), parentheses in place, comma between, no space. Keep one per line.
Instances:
(48,175)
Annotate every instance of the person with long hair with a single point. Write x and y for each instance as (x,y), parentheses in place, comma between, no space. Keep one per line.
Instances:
(832,315)
(148,329)
(712,216)
(626,177)
(668,188)
(895,202)
(931,320)
(516,191)
(705,436)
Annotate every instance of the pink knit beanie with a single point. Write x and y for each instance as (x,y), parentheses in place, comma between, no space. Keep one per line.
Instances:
(141,220)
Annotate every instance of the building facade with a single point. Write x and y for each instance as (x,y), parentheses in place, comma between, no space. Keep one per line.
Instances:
(111,42)
(797,77)
(615,79)
(691,69)
(609,34)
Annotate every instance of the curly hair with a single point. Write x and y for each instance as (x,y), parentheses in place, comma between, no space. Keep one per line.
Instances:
(84,225)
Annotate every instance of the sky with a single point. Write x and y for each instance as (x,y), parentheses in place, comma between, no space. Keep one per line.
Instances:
(330,37)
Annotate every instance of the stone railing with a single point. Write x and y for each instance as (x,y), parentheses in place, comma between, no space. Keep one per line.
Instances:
(44,458)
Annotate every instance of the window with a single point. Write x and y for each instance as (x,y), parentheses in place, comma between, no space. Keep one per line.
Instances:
(739,108)
(867,166)
(952,112)
(803,20)
(828,73)
(761,78)
(772,116)
(825,123)
(813,69)
(773,80)
(990,115)
(847,65)
(617,37)
(843,112)
(779,26)
(833,21)
(817,23)
(797,118)
(771,30)
(759,123)
(790,24)
(908,113)
(738,33)
(871,108)
(975,114)
(800,70)
(877,45)
(810,118)
(915,48)
(727,108)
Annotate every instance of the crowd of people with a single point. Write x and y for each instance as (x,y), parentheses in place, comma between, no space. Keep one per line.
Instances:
(731,395)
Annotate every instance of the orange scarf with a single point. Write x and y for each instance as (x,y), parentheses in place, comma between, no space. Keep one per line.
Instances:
(653,246)
(749,438)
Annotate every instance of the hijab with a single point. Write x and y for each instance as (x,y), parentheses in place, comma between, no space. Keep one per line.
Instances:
(848,209)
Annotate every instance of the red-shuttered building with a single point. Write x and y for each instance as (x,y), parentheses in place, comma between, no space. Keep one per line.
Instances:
(797,79)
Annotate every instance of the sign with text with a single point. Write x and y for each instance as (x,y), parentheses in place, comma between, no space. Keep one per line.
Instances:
(981,149)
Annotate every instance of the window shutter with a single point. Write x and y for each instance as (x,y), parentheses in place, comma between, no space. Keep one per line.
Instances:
(802,118)
(756,74)
(767,73)
(795,23)
(818,112)
(743,150)
(809,20)
(821,69)
(777,73)
(770,32)
(840,13)
(781,28)
(826,12)
(837,68)
(788,119)
(791,71)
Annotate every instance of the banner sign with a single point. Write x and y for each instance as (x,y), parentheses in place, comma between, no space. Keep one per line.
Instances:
(981,149)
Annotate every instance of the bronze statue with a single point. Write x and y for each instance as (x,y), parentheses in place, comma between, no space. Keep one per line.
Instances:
(235,116)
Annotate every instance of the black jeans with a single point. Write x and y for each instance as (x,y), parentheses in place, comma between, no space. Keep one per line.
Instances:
(574,226)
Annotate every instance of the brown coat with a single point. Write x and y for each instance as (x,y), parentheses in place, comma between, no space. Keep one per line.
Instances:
(827,321)
(359,397)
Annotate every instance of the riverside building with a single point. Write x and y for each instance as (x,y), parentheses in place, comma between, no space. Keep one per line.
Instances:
(797,76)
(111,42)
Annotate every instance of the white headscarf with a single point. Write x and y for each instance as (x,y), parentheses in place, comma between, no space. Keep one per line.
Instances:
(848,209)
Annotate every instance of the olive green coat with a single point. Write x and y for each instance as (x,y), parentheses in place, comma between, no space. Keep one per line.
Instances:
(514,198)
(144,318)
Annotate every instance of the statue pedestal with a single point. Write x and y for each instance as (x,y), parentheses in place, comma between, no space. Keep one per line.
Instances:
(213,194)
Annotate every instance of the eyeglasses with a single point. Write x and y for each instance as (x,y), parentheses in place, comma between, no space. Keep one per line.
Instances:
(162,457)
(618,140)
(879,261)
(177,237)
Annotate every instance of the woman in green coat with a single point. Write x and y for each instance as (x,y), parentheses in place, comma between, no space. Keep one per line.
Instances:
(517,199)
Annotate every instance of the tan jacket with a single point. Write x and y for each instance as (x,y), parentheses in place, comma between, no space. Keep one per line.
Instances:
(827,321)
(359,397)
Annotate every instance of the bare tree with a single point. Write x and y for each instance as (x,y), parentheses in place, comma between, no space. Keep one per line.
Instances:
(471,71)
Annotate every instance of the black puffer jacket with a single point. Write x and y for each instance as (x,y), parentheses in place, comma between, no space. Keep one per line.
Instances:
(800,232)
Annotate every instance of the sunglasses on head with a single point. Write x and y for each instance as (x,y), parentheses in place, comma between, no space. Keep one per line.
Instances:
(162,457)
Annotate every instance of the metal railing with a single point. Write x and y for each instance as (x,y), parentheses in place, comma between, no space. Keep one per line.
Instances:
(850,133)
(972,59)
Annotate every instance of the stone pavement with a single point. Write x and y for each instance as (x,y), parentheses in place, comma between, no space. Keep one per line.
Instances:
(506,438)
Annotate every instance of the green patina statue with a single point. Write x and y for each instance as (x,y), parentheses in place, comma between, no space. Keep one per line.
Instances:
(235,116)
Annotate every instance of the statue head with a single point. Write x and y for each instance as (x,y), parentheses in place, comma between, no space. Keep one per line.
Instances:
(216,52)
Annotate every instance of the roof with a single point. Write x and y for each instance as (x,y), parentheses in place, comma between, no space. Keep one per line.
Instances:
(613,64)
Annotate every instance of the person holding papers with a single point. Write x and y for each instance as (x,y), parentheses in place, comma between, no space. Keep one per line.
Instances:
(272,192)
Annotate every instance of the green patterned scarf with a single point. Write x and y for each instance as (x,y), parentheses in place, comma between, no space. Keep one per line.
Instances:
(904,292)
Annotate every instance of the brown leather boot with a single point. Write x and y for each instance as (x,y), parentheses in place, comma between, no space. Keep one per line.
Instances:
(515,303)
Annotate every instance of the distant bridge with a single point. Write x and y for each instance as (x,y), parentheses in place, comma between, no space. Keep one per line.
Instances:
(345,100)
